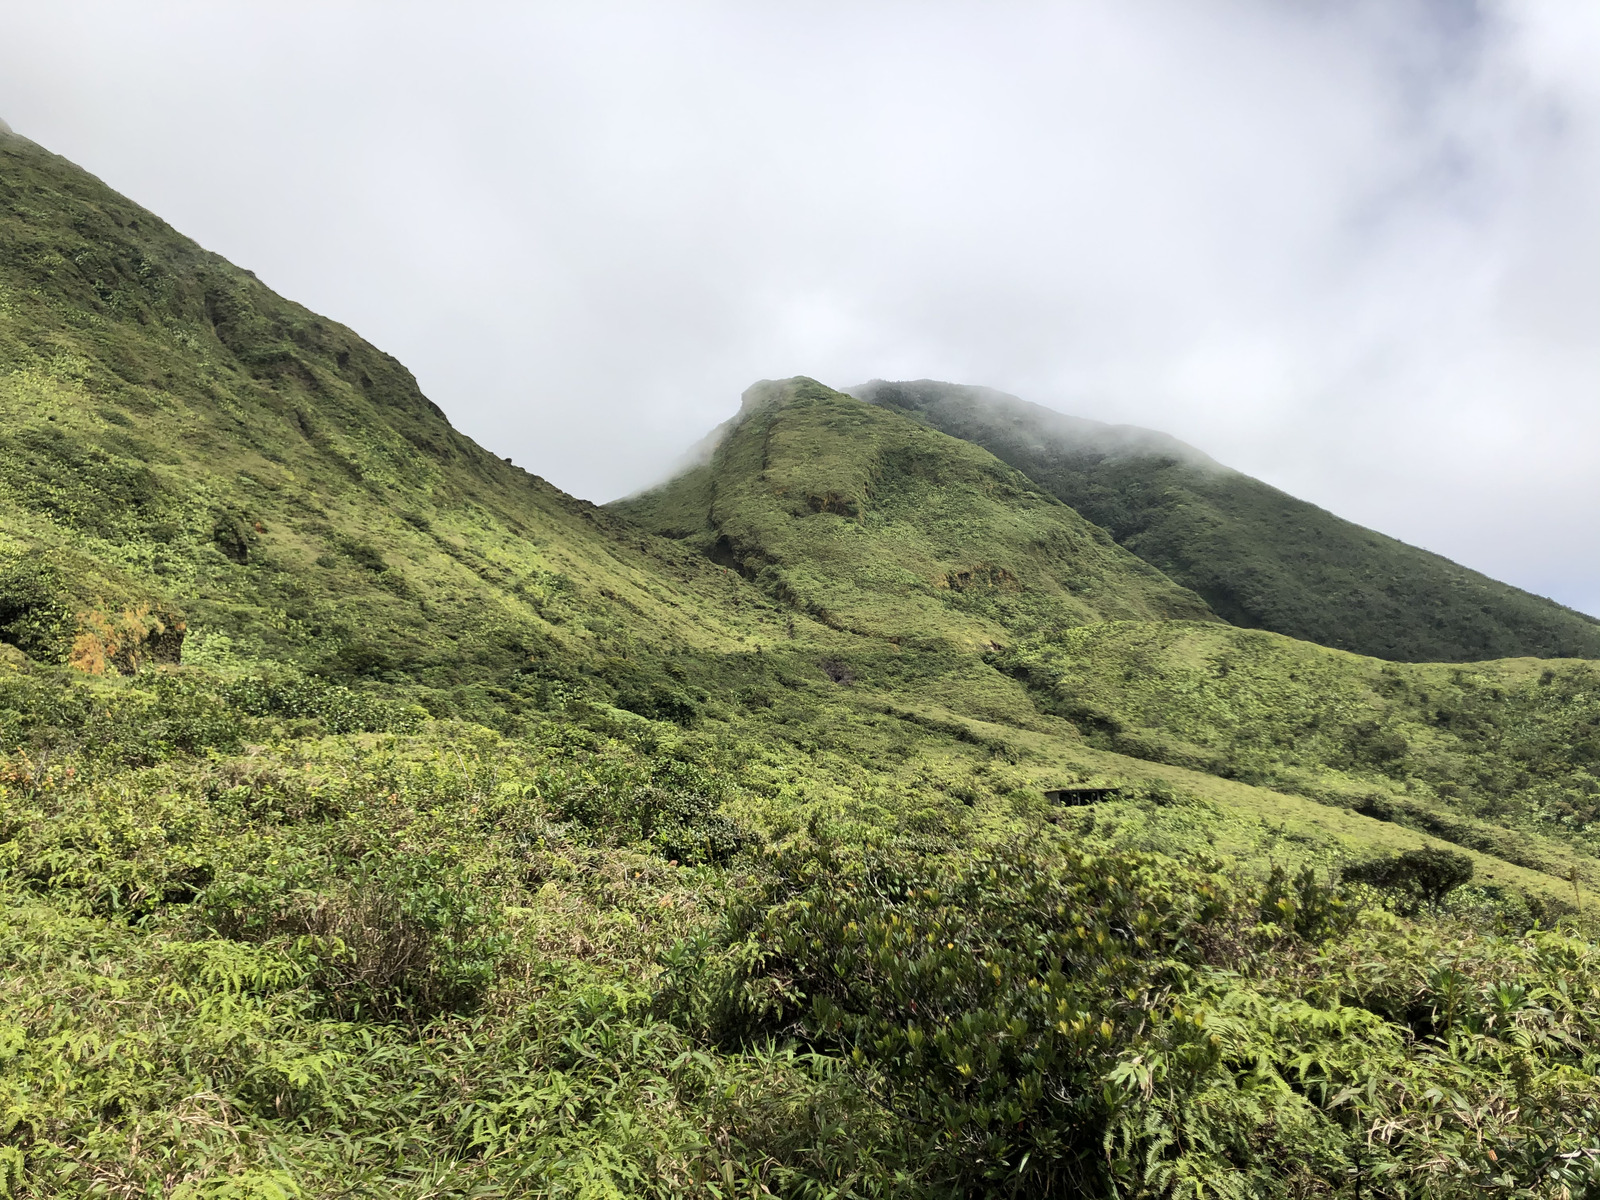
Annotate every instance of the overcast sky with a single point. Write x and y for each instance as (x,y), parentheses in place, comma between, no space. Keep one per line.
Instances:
(1350,248)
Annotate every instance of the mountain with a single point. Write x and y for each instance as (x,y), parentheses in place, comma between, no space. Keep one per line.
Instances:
(846,816)
(183,448)
(1259,557)
(875,524)
(862,517)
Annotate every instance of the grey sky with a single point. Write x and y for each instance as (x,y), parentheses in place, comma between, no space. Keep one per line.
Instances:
(1351,248)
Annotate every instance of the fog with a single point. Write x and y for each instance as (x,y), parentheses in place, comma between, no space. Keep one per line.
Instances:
(1350,248)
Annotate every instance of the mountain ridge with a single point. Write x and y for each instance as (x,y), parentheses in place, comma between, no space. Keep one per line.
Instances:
(804,475)
(177,435)
(1260,557)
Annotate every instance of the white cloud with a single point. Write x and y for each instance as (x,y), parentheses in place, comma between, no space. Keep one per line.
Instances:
(1349,247)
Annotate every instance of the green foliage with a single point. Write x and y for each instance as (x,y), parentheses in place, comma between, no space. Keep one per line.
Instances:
(487,844)
(401,934)
(873,524)
(1419,877)
(335,708)
(671,802)
(1049,1022)
(1459,753)
(990,995)
(1307,909)
(660,703)
(35,615)
(1260,558)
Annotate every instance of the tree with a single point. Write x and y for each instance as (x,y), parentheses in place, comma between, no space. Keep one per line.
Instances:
(1420,876)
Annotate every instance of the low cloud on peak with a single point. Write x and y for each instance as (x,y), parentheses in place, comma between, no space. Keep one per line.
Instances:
(1346,247)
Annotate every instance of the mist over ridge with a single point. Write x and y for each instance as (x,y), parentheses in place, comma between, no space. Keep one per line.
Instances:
(1259,557)
(1346,248)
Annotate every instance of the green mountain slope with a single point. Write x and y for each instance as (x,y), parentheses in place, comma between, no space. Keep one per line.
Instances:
(377,821)
(180,445)
(1260,558)
(1500,756)
(807,492)
(877,525)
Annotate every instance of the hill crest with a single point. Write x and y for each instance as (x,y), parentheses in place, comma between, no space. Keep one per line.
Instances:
(1262,559)
(895,530)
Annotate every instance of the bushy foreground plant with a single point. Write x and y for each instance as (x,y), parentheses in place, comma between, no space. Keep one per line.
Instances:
(992,996)
(1415,877)
(1052,1022)
(449,963)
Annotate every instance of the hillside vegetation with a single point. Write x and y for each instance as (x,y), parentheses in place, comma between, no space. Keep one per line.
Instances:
(376,820)
(1500,756)
(879,526)
(1260,558)
(212,472)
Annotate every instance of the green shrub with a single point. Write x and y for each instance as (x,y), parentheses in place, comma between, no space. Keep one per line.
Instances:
(992,995)
(36,614)
(401,935)
(1310,910)
(1416,877)
(336,708)
(673,805)
(660,703)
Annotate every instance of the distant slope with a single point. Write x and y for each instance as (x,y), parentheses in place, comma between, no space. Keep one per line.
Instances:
(179,444)
(1500,756)
(1260,558)
(877,525)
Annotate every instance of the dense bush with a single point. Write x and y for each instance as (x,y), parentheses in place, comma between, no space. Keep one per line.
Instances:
(1416,877)
(138,722)
(659,703)
(993,996)
(336,708)
(396,963)
(390,935)
(1047,1022)
(36,615)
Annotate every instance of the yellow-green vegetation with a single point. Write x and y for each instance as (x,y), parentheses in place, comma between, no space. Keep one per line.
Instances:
(376,820)
(176,440)
(876,525)
(1261,559)
(1499,756)
(608,957)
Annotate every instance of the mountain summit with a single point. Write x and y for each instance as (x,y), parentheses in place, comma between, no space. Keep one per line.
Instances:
(880,525)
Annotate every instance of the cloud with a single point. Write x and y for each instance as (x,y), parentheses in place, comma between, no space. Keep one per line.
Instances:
(1347,247)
